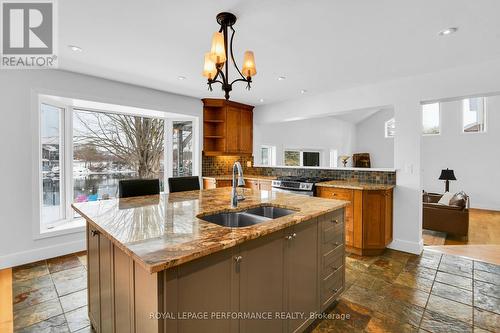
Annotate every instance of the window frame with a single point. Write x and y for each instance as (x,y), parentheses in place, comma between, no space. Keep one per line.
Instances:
(301,156)
(271,156)
(440,119)
(485,116)
(385,128)
(70,224)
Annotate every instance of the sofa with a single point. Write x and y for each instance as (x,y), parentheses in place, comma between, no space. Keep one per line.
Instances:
(452,219)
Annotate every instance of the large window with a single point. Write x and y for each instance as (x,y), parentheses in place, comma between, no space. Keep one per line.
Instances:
(86,152)
(474,115)
(301,158)
(431,119)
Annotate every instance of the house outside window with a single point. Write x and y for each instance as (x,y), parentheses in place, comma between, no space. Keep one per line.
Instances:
(431,119)
(474,115)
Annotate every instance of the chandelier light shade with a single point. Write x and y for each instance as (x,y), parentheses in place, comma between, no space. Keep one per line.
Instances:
(217,61)
(218,51)
(249,64)
(209,69)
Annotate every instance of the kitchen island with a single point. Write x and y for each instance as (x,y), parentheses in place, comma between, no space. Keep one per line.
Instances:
(154,264)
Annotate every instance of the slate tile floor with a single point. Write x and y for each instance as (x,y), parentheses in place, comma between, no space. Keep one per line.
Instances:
(395,292)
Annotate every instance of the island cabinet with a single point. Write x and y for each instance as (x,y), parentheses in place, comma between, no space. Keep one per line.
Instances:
(368,217)
(254,184)
(211,183)
(269,284)
(227,128)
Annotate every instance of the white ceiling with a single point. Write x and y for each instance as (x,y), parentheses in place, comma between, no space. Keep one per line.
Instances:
(318,45)
(356,116)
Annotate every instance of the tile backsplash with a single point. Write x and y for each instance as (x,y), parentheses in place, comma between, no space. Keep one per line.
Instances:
(222,165)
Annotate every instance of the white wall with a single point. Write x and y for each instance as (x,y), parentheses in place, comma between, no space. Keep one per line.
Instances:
(475,157)
(404,96)
(370,138)
(317,134)
(17,91)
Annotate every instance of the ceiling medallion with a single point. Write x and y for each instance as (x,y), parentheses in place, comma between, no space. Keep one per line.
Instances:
(216,66)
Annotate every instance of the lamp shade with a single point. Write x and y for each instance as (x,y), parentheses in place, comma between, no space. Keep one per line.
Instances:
(218,50)
(209,69)
(447,175)
(249,68)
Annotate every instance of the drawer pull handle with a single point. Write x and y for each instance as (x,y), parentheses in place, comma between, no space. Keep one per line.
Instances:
(238,258)
(289,237)
(335,221)
(294,235)
(335,290)
(94,233)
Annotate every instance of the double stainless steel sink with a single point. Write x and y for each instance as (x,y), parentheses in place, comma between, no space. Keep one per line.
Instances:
(247,217)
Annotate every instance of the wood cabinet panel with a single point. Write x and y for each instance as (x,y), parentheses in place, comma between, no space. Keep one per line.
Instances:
(106,283)
(207,285)
(246,132)
(93,284)
(302,273)
(265,185)
(232,130)
(123,292)
(252,184)
(342,194)
(261,282)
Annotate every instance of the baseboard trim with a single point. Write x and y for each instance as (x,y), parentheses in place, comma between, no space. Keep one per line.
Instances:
(25,257)
(406,246)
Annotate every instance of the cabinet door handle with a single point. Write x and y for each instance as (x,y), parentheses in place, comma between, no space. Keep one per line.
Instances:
(294,235)
(238,258)
(289,237)
(94,233)
(335,290)
(335,221)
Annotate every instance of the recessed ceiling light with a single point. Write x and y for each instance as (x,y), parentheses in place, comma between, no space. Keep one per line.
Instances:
(180,77)
(448,31)
(261,100)
(281,78)
(303,91)
(75,48)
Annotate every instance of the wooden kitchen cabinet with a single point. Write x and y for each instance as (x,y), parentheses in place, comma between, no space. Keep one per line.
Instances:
(368,218)
(252,184)
(261,278)
(301,267)
(99,272)
(209,183)
(227,128)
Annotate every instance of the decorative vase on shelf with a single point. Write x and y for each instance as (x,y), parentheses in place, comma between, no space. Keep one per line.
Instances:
(344,159)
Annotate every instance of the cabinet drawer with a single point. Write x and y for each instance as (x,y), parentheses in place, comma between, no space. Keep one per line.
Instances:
(333,236)
(332,286)
(332,219)
(332,260)
(337,193)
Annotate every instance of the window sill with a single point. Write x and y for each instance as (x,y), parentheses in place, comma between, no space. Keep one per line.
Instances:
(64,228)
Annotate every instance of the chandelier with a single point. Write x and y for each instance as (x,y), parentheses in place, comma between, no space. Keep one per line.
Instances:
(216,66)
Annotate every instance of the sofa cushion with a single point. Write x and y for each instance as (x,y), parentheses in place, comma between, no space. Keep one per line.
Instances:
(445,199)
(459,199)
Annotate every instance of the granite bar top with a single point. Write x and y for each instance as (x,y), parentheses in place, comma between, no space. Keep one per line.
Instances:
(163,231)
(355,185)
(229,177)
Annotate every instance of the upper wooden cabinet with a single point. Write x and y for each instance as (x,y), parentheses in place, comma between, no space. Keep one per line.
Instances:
(227,128)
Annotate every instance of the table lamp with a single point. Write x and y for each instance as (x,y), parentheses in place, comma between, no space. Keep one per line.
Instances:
(447,175)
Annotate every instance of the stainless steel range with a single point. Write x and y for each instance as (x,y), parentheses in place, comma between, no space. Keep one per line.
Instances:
(297,184)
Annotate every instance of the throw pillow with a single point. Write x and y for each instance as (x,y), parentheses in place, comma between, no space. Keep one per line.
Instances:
(459,199)
(445,199)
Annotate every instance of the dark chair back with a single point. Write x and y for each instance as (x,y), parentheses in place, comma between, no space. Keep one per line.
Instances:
(181,184)
(137,187)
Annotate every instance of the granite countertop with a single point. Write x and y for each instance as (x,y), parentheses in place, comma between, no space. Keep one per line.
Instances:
(355,185)
(163,231)
(229,177)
